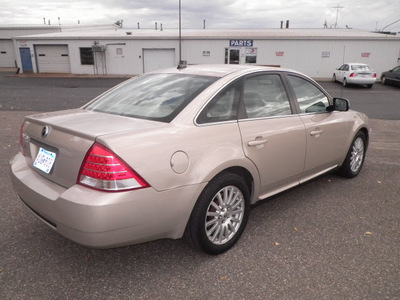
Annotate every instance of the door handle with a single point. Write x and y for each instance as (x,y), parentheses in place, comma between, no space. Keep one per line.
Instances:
(316,132)
(257,142)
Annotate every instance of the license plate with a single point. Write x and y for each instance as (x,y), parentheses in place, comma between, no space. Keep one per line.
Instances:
(45,160)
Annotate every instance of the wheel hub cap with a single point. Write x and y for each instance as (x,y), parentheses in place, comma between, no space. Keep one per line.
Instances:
(357,155)
(224,215)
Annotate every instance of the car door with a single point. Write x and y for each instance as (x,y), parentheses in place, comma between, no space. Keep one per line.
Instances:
(342,72)
(395,76)
(272,136)
(326,131)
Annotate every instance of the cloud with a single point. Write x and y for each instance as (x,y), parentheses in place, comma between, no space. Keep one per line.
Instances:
(361,14)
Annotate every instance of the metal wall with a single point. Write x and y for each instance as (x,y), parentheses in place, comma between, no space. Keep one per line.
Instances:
(316,58)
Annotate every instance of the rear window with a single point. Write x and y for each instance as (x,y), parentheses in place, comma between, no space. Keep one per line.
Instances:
(361,68)
(158,97)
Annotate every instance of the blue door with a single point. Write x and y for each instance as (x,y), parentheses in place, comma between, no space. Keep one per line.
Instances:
(26,59)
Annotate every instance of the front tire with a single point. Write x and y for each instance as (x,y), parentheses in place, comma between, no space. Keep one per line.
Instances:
(354,161)
(220,214)
(334,78)
(383,80)
(344,82)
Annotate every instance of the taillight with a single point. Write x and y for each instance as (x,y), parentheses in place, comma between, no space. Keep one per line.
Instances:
(374,75)
(104,170)
(352,75)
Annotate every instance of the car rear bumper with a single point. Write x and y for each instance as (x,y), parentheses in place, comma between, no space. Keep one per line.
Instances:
(102,219)
(361,80)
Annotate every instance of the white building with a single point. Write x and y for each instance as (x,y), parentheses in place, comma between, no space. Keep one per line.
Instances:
(315,52)
(7,51)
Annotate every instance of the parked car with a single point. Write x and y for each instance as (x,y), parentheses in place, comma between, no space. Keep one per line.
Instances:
(355,73)
(183,152)
(391,77)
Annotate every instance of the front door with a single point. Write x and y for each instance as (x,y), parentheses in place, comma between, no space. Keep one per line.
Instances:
(327,132)
(26,59)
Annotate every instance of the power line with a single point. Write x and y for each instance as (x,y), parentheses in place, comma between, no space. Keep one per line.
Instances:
(389,25)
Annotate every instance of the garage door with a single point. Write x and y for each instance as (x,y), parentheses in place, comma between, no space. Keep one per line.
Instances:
(53,59)
(155,59)
(7,56)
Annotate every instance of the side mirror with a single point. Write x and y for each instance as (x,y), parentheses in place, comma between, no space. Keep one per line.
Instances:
(339,104)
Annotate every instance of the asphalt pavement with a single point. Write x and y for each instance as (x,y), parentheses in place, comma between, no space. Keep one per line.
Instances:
(330,238)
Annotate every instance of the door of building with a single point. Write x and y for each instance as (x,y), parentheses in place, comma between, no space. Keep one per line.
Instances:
(53,58)
(26,59)
(232,56)
(156,59)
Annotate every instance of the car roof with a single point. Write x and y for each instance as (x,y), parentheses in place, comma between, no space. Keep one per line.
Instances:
(218,70)
(357,64)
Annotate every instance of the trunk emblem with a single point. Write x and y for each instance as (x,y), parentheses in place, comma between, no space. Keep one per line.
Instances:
(45,131)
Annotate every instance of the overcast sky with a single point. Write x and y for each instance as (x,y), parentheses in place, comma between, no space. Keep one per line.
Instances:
(359,14)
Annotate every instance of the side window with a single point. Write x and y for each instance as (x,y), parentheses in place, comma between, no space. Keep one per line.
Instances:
(310,98)
(223,107)
(265,96)
(346,68)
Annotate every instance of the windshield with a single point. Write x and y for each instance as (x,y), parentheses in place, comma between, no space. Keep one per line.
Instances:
(158,97)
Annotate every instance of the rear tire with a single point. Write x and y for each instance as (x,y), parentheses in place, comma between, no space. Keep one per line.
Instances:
(220,214)
(369,86)
(354,161)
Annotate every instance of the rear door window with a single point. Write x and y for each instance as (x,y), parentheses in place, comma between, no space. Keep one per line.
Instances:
(223,107)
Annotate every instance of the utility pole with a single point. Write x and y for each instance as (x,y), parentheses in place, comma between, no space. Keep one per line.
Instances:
(180,33)
(338,7)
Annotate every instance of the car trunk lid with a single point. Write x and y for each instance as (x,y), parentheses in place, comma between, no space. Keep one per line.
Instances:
(65,137)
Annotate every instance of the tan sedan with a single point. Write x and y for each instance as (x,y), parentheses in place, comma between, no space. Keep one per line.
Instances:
(183,152)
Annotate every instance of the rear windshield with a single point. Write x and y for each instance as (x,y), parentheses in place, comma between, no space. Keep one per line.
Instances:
(158,97)
(361,68)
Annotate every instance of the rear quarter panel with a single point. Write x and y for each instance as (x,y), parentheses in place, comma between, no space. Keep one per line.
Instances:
(209,150)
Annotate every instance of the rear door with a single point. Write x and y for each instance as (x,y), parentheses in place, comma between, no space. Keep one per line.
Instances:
(272,136)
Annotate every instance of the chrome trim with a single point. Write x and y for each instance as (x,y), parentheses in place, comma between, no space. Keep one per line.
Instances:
(272,117)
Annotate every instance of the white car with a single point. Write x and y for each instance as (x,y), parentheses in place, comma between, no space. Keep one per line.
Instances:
(355,73)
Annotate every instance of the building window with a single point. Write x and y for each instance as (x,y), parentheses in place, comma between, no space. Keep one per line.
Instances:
(251,55)
(86,56)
